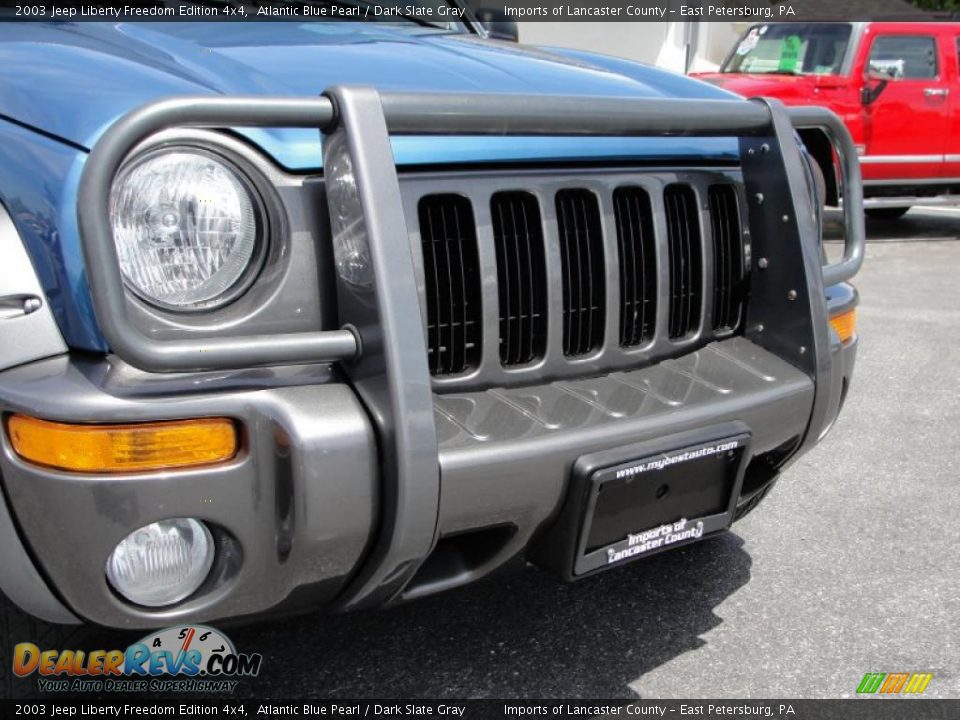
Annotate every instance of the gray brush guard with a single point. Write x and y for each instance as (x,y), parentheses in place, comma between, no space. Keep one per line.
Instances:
(358,484)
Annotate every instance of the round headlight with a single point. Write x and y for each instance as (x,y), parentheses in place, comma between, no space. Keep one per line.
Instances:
(187,228)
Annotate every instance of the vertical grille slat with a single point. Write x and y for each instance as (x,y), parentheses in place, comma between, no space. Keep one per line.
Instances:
(517,309)
(430,267)
(505,279)
(521,276)
(452,274)
(638,271)
(727,257)
(460,343)
(536,289)
(590,272)
(450,325)
(581,255)
(686,264)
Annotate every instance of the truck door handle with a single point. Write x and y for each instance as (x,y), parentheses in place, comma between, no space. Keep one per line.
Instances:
(935,92)
(14,306)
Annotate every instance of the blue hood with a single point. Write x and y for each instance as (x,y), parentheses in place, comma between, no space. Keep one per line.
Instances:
(72,80)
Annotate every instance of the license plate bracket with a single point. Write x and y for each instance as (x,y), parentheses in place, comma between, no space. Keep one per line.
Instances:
(635,501)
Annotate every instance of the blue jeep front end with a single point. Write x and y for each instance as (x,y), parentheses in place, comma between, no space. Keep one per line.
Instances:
(483,285)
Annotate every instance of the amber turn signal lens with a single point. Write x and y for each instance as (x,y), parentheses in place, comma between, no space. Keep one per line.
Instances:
(137,447)
(845,324)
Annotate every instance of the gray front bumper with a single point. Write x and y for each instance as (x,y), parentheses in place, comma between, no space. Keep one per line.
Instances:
(302,499)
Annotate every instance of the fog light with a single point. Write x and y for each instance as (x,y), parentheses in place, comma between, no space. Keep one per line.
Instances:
(161,563)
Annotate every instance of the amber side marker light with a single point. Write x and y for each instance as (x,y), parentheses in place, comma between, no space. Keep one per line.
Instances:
(845,324)
(138,447)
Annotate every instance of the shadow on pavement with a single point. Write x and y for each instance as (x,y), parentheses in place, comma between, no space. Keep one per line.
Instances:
(528,635)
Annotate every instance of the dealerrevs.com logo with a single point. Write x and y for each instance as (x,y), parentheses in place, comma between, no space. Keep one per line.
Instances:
(192,658)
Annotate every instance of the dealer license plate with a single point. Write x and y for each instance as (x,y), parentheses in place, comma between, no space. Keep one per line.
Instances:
(657,502)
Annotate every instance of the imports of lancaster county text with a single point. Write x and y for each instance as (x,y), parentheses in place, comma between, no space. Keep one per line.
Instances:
(629,11)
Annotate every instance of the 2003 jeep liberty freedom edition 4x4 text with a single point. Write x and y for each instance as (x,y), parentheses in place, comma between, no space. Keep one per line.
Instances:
(303,315)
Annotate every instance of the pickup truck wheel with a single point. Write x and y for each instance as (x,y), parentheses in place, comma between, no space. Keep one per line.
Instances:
(751,504)
(17,626)
(886,213)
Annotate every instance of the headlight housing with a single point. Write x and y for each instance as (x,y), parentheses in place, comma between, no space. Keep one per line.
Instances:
(189,228)
(351,247)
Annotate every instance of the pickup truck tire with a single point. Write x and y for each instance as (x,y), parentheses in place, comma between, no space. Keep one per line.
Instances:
(750,505)
(886,213)
(17,626)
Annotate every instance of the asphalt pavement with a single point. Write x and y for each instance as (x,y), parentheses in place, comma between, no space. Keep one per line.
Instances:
(851,565)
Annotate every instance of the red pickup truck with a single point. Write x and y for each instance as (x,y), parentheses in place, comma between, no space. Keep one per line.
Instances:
(896,85)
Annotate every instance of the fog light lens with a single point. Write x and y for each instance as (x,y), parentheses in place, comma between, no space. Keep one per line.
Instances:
(161,563)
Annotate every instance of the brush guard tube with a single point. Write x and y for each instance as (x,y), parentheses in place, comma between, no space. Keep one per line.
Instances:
(854,236)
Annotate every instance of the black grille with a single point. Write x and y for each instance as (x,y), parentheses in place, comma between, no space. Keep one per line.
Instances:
(638,267)
(727,257)
(521,277)
(581,255)
(686,267)
(452,273)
